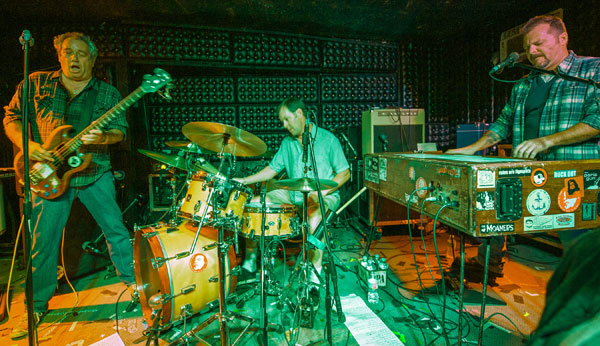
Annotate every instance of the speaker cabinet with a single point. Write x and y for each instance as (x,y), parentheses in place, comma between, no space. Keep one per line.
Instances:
(403,129)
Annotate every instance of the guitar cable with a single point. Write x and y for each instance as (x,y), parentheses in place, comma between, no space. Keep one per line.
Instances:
(62,258)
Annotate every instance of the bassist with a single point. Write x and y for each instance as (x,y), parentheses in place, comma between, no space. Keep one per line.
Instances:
(70,96)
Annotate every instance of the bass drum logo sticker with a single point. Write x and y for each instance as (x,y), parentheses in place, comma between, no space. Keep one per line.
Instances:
(538,202)
(198,262)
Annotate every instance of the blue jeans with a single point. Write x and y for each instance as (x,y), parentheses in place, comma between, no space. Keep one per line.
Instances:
(48,219)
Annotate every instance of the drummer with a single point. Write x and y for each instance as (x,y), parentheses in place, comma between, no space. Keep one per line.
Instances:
(330,161)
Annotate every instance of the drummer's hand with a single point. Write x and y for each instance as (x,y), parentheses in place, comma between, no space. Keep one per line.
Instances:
(38,153)
(239,180)
(94,137)
(313,197)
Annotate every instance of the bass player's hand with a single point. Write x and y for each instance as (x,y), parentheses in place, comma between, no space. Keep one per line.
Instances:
(95,137)
(38,153)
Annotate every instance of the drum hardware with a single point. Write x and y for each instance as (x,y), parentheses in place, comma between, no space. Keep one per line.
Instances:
(230,140)
(180,281)
(328,263)
(305,268)
(281,220)
(156,302)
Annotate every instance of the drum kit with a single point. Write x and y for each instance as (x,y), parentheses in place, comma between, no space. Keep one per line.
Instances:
(189,261)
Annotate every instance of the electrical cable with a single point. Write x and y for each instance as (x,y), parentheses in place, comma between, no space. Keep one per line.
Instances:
(10,272)
(504,81)
(10,280)
(117,310)
(425,249)
(437,255)
(414,254)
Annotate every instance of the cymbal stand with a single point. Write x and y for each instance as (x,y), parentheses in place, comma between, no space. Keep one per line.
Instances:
(303,270)
(330,271)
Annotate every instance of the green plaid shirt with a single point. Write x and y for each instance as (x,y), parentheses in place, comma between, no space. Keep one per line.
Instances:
(568,103)
(51,106)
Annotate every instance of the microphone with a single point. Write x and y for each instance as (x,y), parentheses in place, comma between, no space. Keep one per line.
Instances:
(305,141)
(383,138)
(135,299)
(509,61)
(26,38)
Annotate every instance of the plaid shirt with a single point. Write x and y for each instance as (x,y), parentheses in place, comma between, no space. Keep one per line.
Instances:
(568,103)
(51,106)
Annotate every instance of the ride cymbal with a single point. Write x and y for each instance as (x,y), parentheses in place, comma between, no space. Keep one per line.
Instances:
(302,184)
(214,136)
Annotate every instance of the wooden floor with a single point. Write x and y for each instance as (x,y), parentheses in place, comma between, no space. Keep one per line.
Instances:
(412,316)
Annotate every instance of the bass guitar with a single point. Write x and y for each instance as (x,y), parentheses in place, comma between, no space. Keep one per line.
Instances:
(51,179)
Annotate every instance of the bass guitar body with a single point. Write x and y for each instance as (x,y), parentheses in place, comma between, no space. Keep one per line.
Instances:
(50,180)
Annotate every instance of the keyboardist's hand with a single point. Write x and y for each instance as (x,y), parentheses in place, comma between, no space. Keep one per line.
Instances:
(530,148)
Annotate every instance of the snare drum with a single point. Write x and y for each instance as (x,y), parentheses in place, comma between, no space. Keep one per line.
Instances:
(279,219)
(229,196)
(189,283)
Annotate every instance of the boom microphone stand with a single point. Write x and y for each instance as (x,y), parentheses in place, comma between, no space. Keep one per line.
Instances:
(27,41)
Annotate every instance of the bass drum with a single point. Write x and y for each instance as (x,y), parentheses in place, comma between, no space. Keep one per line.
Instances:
(187,284)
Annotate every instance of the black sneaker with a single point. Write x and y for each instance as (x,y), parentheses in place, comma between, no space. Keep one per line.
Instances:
(21,329)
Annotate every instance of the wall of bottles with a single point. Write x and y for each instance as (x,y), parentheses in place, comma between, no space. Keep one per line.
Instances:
(239,77)
(250,73)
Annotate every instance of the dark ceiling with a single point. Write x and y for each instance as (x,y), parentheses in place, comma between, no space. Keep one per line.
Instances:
(364,19)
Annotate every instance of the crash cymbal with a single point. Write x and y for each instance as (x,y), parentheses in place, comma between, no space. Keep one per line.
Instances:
(201,163)
(302,184)
(190,147)
(212,136)
(169,159)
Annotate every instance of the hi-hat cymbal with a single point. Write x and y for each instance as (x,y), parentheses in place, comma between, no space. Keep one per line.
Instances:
(213,136)
(302,184)
(169,159)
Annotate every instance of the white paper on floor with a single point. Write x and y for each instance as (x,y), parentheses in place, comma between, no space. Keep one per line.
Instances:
(113,340)
(364,325)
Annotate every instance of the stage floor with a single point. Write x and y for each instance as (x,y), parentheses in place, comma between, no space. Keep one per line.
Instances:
(514,305)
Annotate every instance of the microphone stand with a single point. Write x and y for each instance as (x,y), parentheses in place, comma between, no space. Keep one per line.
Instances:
(263,318)
(558,74)
(330,269)
(27,41)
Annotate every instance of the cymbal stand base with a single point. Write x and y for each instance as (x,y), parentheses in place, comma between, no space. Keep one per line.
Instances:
(223,316)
